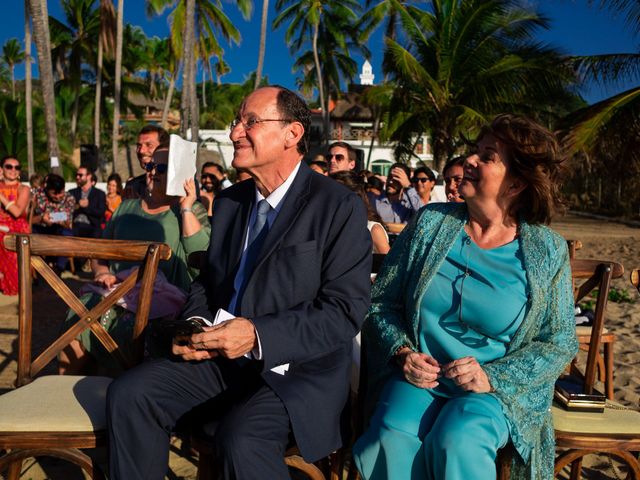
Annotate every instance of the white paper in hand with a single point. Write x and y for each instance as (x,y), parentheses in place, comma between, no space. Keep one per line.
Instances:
(182,164)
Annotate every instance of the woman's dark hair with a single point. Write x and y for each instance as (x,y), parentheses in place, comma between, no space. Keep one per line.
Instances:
(54,182)
(352,181)
(533,157)
(375,182)
(459,161)
(115,177)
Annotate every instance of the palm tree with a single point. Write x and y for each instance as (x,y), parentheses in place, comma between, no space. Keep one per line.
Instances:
(305,18)
(263,42)
(12,55)
(106,46)
(208,20)
(40,21)
(28,88)
(601,121)
(462,62)
(117,82)
(74,45)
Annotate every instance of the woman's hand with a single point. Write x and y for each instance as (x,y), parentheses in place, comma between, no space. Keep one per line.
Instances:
(467,373)
(190,190)
(419,369)
(106,279)
(46,219)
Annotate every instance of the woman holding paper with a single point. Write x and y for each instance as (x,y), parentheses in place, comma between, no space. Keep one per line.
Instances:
(180,222)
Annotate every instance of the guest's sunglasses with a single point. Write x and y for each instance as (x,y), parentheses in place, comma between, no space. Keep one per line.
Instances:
(9,166)
(339,157)
(204,176)
(160,167)
(420,179)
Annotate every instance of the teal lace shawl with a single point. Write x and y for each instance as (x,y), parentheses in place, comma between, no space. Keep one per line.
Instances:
(541,348)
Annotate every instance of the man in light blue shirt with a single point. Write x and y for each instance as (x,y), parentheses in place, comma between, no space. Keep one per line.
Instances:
(400,201)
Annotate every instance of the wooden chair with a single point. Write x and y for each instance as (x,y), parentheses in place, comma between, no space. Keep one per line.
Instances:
(635,278)
(615,432)
(56,415)
(604,362)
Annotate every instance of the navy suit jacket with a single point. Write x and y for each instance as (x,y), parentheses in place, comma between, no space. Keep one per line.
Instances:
(96,208)
(307,296)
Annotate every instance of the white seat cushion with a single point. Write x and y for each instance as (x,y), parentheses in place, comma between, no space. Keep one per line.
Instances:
(613,421)
(56,403)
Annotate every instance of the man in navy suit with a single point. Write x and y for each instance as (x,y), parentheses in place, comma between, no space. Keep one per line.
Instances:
(290,261)
(91,203)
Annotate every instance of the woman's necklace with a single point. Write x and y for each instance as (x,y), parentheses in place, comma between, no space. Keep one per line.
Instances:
(466,241)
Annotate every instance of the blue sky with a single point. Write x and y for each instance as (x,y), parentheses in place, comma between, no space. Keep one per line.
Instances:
(576,28)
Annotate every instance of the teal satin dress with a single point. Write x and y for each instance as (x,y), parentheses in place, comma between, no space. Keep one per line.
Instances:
(473,307)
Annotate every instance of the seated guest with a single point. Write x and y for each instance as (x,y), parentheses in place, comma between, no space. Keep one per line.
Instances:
(341,157)
(91,203)
(180,222)
(423,181)
(149,137)
(453,173)
(319,166)
(53,212)
(35,182)
(114,195)
(472,321)
(14,203)
(374,188)
(379,235)
(219,172)
(399,202)
(210,186)
(242,175)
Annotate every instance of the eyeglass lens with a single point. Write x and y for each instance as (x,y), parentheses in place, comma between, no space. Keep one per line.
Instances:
(8,166)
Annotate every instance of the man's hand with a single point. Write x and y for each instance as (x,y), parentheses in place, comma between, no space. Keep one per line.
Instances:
(231,339)
(400,176)
(467,373)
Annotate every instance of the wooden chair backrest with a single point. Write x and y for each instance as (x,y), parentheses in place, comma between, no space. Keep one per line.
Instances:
(574,246)
(594,274)
(32,249)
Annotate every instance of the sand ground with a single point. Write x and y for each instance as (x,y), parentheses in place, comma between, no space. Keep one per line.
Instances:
(600,239)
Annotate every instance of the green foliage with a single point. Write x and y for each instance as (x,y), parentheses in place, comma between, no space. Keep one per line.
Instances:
(227,99)
(458,63)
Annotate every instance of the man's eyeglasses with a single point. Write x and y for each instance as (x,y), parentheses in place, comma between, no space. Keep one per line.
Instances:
(206,176)
(160,167)
(252,122)
(329,156)
(420,179)
(9,166)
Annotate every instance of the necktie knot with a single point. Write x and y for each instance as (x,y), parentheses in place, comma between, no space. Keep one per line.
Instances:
(263,207)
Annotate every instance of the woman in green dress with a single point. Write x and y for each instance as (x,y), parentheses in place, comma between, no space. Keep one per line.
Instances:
(471,322)
(180,222)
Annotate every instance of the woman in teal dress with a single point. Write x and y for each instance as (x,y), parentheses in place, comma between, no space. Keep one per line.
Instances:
(471,322)
(181,223)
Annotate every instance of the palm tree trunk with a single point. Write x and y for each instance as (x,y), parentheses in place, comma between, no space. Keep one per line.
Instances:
(193,99)
(187,53)
(168,98)
(74,116)
(13,82)
(316,59)
(96,110)
(263,43)
(204,91)
(28,87)
(118,81)
(40,19)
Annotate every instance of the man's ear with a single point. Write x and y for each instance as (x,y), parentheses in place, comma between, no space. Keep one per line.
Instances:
(294,134)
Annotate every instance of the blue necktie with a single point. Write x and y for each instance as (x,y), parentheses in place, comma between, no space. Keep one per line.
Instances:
(257,234)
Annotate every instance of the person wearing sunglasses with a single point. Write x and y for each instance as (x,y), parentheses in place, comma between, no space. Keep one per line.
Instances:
(210,185)
(91,205)
(399,202)
(341,157)
(180,222)
(423,180)
(14,199)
